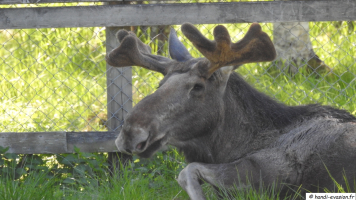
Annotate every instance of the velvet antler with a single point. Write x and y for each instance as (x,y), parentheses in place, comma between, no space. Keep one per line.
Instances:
(133,52)
(256,46)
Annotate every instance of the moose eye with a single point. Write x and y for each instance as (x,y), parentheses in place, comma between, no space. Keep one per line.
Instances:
(198,87)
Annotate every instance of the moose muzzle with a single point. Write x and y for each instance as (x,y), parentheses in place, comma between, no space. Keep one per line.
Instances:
(133,143)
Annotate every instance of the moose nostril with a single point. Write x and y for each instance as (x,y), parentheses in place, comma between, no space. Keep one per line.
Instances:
(141,145)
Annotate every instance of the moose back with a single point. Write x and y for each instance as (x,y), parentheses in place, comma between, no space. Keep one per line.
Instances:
(228,131)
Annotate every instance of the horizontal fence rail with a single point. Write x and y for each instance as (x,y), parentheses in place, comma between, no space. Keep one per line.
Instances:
(58,142)
(62,1)
(202,13)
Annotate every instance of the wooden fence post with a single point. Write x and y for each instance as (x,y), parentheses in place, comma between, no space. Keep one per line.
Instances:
(119,95)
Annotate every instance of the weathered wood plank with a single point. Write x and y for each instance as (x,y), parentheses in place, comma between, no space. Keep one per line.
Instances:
(91,141)
(168,14)
(30,143)
(63,1)
(58,142)
(48,1)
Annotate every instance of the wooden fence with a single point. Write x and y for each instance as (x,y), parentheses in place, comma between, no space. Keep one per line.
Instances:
(114,15)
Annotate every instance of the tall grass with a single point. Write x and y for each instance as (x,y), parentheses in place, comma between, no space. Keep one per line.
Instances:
(36,186)
(87,176)
(141,179)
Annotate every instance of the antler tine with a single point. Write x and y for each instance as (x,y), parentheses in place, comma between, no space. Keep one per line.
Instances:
(134,52)
(256,46)
(144,48)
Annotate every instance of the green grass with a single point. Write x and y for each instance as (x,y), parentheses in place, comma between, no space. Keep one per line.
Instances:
(55,80)
(36,186)
(142,179)
(86,176)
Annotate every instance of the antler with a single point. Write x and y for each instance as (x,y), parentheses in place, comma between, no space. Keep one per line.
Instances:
(133,52)
(256,46)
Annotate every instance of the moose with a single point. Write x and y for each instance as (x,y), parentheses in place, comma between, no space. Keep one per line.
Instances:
(231,134)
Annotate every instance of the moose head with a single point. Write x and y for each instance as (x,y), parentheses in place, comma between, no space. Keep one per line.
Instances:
(188,102)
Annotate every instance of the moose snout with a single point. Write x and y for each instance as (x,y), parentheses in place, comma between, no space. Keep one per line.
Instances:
(132,143)
(121,147)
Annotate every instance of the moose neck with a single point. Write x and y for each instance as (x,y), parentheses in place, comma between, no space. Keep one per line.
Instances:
(250,121)
(254,109)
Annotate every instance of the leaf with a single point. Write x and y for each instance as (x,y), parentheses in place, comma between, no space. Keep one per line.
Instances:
(83,181)
(3,149)
(94,163)
(69,181)
(20,171)
(76,150)
(87,155)
(93,182)
(69,160)
(11,155)
(80,169)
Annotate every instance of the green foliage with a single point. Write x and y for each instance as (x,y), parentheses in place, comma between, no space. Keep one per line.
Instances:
(167,164)
(86,176)
(75,170)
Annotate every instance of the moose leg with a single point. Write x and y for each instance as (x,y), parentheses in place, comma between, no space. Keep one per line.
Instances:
(219,175)
(231,175)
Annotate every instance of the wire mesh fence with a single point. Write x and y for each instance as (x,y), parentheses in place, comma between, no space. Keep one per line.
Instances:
(55,79)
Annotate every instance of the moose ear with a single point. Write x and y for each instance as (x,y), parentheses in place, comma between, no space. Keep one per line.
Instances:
(177,50)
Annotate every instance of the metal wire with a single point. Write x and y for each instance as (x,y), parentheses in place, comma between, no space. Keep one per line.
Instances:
(55,79)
